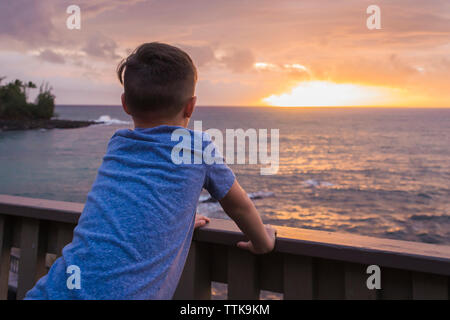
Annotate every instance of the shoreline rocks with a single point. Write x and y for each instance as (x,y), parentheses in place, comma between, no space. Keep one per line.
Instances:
(31,124)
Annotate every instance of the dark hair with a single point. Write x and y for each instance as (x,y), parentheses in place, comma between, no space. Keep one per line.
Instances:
(157,78)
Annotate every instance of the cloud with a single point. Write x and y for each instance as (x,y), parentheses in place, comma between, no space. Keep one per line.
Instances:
(290,71)
(201,55)
(51,56)
(92,8)
(238,60)
(101,46)
(42,23)
(235,60)
(29,21)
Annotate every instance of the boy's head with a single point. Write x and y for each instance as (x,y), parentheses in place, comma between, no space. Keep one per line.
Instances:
(159,81)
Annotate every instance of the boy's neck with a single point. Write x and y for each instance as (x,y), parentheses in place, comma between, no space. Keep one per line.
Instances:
(151,123)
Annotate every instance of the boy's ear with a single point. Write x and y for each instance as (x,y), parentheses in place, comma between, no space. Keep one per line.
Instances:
(189,109)
(124,105)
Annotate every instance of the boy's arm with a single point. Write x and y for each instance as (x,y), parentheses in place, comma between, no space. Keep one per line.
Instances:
(241,209)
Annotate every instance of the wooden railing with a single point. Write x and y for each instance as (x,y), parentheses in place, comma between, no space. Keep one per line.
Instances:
(306,264)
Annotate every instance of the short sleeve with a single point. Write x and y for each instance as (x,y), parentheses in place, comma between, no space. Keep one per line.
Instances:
(219,177)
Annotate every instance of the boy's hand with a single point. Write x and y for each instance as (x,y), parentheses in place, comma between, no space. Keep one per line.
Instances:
(200,221)
(271,235)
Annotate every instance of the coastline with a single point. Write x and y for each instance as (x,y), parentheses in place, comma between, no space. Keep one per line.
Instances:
(32,124)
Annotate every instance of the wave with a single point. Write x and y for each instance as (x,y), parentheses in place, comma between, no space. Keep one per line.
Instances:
(107,120)
(253,195)
(261,194)
(317,183)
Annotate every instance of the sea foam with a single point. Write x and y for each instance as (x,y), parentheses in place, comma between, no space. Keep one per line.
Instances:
(204,198)
(107,120)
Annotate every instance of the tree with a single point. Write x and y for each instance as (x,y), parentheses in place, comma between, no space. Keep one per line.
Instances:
(45,102)
(14,105)
(13,102)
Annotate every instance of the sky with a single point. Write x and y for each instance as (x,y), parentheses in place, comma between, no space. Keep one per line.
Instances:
(248,52)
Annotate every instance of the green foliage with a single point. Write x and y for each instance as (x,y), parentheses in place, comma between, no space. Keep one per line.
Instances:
(45,103)
(13,102)
(14,105)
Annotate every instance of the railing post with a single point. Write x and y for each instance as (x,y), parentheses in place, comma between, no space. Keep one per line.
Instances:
(297,277)
(330,280)
(32,258)
(64,235)
(396,284)
(5,255)
(41,263)
(195,281)
(429,286)
(243,275)
(356,283)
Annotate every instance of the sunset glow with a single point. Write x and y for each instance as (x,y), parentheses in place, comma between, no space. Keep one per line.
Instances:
(325,93)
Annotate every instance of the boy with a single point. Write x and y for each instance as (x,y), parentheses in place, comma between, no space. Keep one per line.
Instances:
(135,231)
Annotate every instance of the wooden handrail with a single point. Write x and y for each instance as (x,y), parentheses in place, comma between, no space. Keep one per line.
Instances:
(300,256)
(400,254)
(42,209)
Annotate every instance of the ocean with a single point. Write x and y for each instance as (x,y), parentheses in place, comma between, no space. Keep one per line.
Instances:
(382,172)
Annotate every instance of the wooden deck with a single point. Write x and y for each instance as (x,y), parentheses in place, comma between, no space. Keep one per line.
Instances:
(306,264)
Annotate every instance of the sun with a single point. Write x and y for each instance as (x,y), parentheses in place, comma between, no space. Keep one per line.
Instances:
(326,93)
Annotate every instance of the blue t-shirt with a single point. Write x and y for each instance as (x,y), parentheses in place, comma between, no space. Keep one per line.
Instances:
(135,231)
